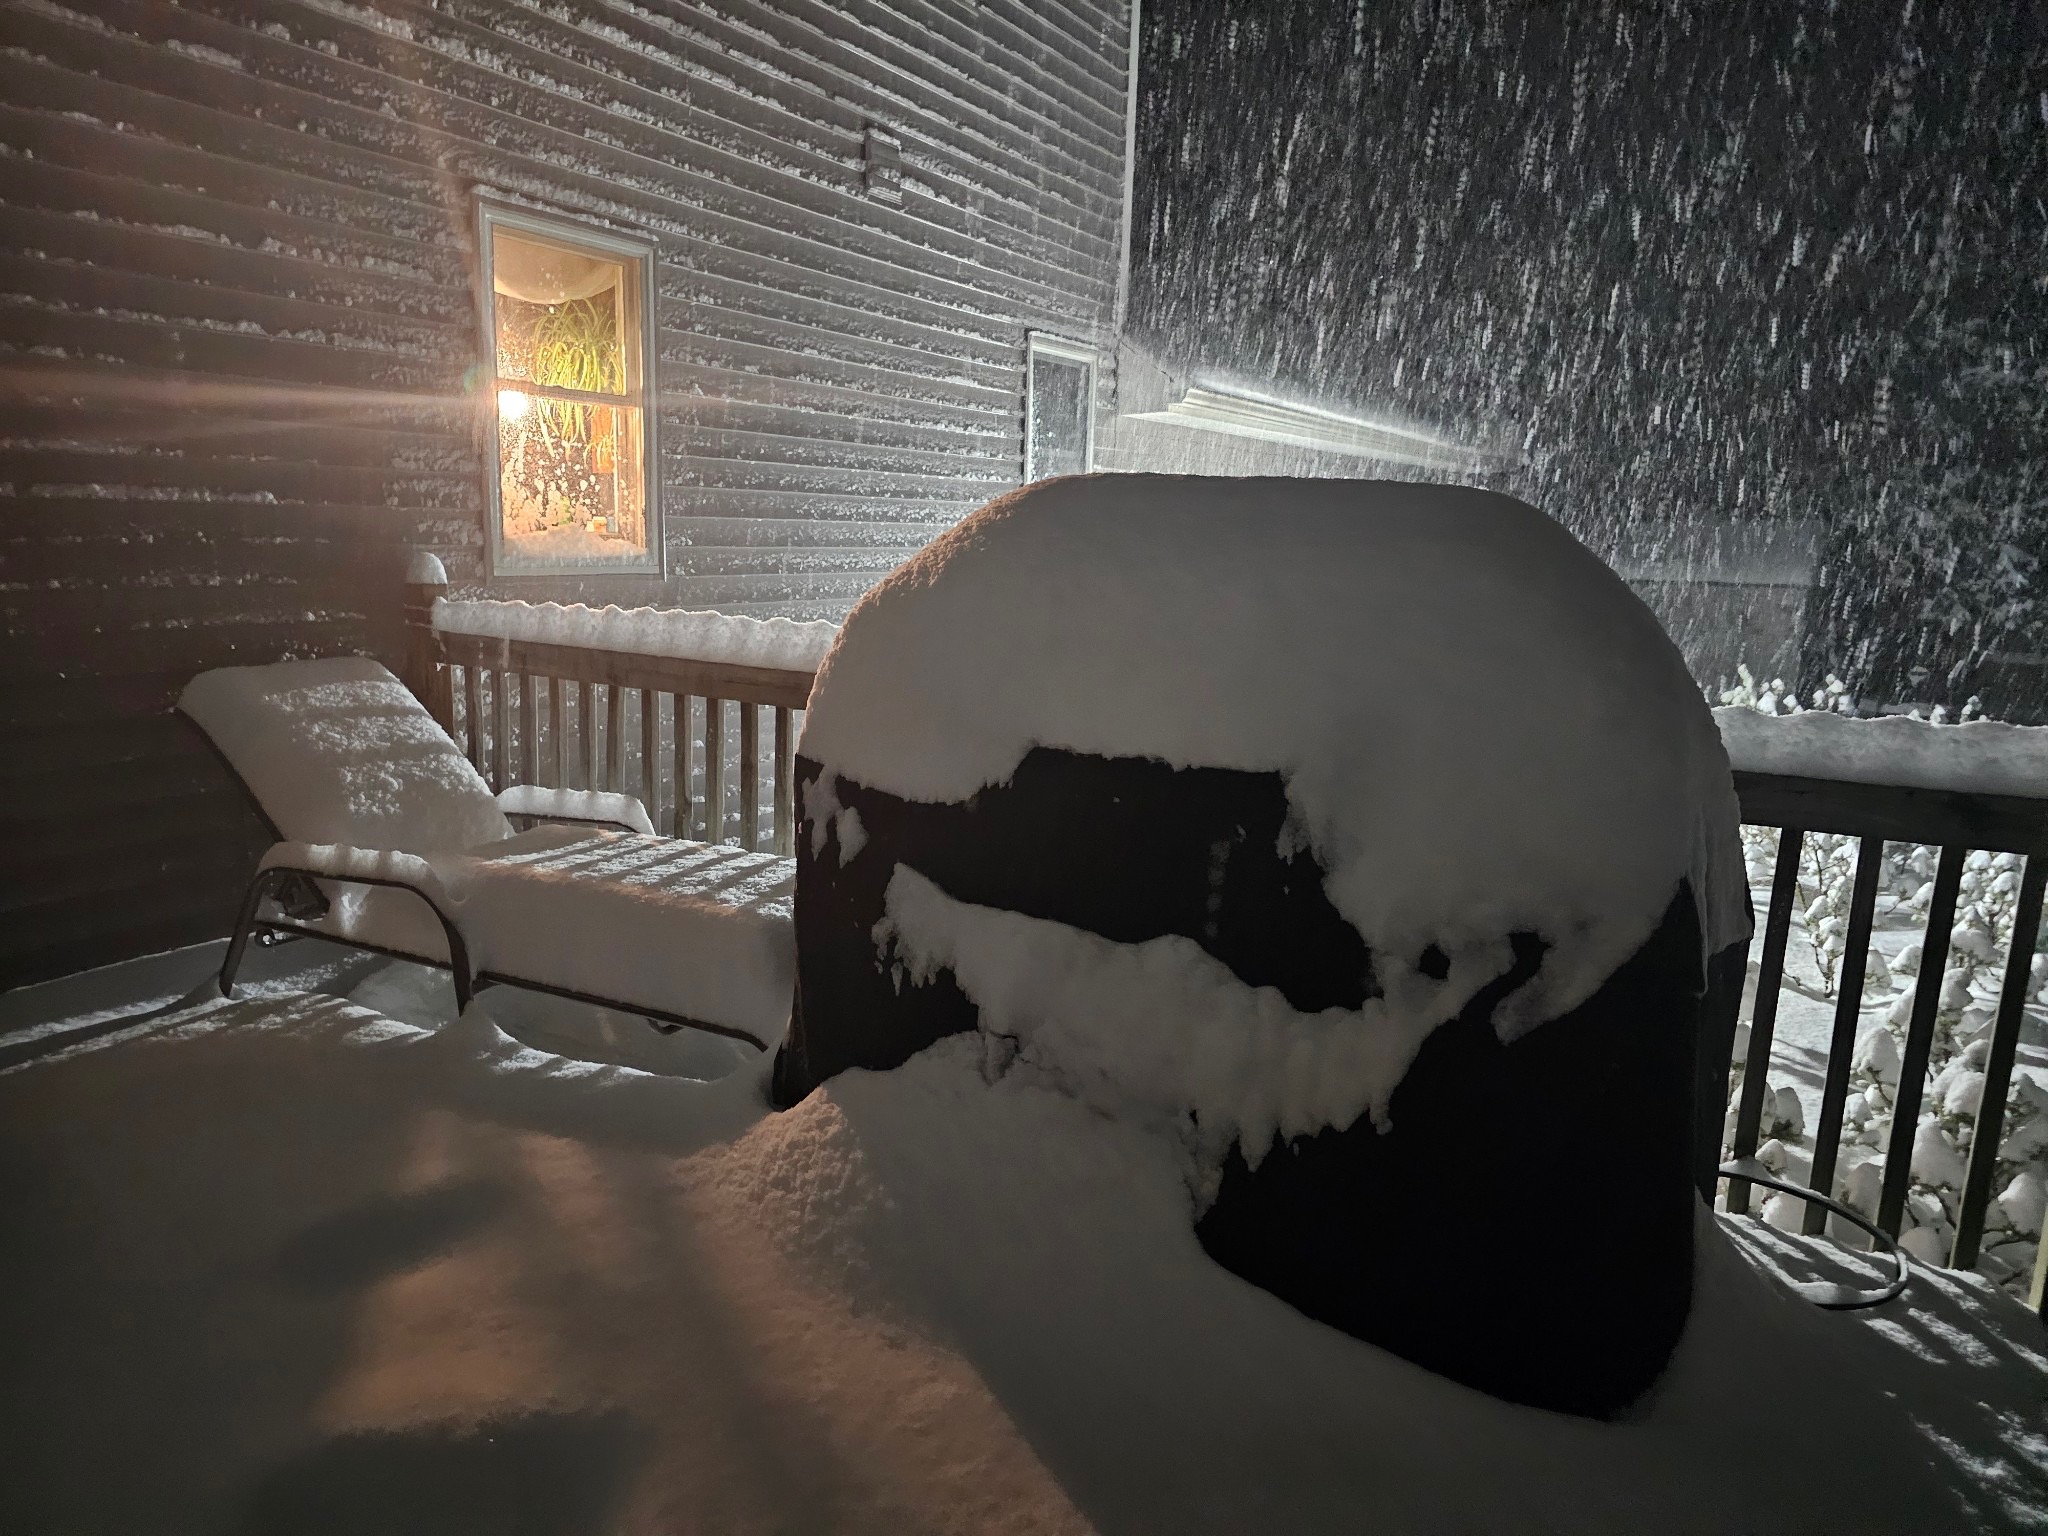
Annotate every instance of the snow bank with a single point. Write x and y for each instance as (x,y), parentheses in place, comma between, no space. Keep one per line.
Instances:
(1480,728)
(687,634)
(339,751)
(1978,757)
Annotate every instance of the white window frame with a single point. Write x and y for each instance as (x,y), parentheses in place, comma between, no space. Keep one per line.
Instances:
(491,216)
(1039,344)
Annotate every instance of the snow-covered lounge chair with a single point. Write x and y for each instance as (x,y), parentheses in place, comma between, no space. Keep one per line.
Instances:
(389,840)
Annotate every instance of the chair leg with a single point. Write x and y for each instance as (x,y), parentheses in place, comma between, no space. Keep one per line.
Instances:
(245,923)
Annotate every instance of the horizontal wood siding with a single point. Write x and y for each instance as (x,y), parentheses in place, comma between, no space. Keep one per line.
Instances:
(237,334)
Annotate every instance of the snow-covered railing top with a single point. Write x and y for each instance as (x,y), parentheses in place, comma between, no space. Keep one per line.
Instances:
(562,695)
(682,634)
(1980,757)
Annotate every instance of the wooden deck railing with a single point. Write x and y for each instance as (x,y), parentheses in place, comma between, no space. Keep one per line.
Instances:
(1957,824)
(528,712)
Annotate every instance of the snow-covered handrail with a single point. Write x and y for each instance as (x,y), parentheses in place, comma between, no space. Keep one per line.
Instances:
(518,685)
(682,634)
(1985,757)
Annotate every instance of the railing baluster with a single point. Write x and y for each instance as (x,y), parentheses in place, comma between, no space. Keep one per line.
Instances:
(2005,1040)
(750,775)
(473,710)
(1770,980)
(529,731)
(1848,1011)
(586,729)
(785,817)
(1941,918)
(501,728)
(558,727)
(457,722)
(714,770)
(650,754)
(614,737)
(684,753)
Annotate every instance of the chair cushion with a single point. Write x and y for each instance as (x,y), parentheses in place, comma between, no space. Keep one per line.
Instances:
(339,751)
(697,930)
(694,929)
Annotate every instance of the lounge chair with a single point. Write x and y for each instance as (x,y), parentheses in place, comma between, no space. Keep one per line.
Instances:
(390,841)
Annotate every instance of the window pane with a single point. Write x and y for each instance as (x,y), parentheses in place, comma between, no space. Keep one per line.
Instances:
(565,335)
(561,316)
(1059,417)
(570,485)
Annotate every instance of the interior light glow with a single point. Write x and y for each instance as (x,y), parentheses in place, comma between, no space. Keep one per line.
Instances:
(513,403)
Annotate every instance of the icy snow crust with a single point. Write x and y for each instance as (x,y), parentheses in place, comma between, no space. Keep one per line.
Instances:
(1481,730)
(1985,757)
(687,634)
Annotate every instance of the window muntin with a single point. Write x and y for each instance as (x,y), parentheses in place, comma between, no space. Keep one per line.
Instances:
(1059,408)
(567,324)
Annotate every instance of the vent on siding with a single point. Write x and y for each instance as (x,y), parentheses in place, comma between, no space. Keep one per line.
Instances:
(881,171)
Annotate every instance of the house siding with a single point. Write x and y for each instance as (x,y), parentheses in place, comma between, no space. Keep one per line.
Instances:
(237,259)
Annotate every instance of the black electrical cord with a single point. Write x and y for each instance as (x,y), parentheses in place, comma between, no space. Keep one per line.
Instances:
(1825,1293)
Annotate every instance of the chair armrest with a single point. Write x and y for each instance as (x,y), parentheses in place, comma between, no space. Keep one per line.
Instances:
(288,865)
(341,861)
(595,807)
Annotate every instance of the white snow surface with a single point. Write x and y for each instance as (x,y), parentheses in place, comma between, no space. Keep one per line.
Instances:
(576,805)
(1978,756)
(339,751)
(696,929)
(306,1258)
(1160,1028)
(684,633)
(1480,727)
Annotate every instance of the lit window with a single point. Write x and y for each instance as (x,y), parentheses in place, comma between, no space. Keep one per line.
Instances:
(568,327)
(1059,408)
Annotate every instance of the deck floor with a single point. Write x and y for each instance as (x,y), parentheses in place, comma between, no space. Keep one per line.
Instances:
(297,1263)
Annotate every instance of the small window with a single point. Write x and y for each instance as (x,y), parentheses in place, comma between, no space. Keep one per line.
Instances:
(1059,408)
(568,333)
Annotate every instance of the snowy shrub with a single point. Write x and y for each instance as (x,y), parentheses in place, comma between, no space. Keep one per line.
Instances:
(1968,987)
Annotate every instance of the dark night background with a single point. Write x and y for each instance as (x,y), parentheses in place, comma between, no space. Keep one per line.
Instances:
(1710,267)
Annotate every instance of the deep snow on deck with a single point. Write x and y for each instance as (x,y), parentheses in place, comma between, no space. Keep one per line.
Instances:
(291,1262)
